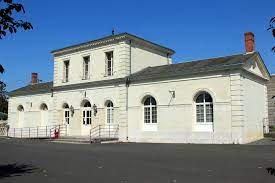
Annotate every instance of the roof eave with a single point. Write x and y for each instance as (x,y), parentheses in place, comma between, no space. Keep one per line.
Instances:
(108,39)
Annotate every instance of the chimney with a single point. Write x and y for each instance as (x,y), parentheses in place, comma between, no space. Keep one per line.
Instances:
(249,42)
(34,78)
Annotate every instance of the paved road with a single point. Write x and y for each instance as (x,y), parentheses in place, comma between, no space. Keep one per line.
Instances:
(35,161)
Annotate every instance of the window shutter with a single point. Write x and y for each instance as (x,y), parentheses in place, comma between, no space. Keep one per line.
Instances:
(64,72)
(106,65)
(112,65)
(83,69)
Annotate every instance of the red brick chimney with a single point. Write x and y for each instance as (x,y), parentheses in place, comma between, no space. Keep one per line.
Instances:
(249,42)
(34,78)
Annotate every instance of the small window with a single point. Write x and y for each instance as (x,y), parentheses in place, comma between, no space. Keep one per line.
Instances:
(109,63)
(66,71)
(86,67)
(150,110)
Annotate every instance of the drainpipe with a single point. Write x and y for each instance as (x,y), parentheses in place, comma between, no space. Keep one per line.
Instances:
(127,83)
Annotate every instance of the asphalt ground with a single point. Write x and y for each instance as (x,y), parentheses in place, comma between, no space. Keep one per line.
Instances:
(41,161)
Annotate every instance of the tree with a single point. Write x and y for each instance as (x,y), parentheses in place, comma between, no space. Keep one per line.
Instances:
(272,29)
(7,21)
(9,24)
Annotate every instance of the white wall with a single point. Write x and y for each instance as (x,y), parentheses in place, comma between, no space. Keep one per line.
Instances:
(32,111)
(97,64)
(176,117)
(143,57)
(97,96)
(140,58)
(255,108)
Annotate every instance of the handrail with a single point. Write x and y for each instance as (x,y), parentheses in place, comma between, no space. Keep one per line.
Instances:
(37,132)
(108,131)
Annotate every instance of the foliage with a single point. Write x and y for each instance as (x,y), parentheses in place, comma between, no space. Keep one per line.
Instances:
(271,171)
(272,29)
(1,69)
(3,98)
(7,21)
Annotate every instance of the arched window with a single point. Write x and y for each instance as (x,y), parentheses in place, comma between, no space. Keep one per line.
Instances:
(66,110)
(44,114)
(43,107)
(109,112)
(20,116)
(20,108)
(150,110)
(204,108)
(86,112)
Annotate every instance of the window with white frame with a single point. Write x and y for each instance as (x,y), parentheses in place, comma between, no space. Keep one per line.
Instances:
(109,63)
(87,113)
(66,114)
(86,67)
(150,110)
(110,112)
(204,108)
(66,71)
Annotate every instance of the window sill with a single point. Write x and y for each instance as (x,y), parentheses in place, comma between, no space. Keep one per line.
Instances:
(150,127)
(203,127)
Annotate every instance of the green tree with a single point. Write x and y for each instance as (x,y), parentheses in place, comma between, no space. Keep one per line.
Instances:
(10,22)
(272,29)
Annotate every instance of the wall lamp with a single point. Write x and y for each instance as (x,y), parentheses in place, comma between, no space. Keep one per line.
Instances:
(72,110)
(95,109)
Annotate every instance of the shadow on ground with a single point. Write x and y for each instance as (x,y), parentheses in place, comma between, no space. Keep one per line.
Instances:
(15,169)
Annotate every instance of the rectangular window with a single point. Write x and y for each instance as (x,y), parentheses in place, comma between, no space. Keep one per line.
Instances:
(200,113)
(147,115)
(110,115)
(109,63)
(66,71)
(154,115)
(86,67)
(67,117)
(209,112)
(89,117)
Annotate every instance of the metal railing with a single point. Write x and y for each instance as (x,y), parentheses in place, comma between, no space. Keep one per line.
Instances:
(101,132)
(3,131)
(37,132)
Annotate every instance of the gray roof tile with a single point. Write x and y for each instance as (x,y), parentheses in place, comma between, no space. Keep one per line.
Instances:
(32,89)
(192,67)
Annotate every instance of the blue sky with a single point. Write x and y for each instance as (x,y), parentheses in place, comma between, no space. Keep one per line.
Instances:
(194,29)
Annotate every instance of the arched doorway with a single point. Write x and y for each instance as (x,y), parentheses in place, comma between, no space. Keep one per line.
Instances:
(20,116)
(44,115)
(66,116)
(86,109)
(109,112)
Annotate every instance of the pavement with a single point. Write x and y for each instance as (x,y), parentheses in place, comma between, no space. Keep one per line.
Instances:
(42,161)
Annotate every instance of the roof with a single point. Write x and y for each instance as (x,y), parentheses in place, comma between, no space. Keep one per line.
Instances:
(32,89)
(104,40)
(193,67)
(149,73)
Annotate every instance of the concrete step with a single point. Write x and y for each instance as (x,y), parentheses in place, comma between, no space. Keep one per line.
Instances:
(72,140)
(104,140)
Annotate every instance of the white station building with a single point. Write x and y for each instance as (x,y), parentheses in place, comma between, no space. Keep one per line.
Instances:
(131,82)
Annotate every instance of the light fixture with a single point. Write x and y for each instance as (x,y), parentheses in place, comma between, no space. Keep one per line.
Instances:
(95,109)
(72,110)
